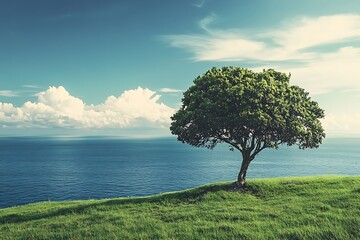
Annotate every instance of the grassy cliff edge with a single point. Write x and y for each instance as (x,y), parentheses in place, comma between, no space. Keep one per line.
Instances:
(326,207)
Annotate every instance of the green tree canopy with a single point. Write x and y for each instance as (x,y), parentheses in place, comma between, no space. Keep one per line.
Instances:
(249,111)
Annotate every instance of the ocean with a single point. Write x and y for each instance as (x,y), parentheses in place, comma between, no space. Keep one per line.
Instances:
(36,169)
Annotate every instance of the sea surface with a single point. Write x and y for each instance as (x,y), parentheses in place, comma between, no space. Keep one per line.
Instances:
(69,168)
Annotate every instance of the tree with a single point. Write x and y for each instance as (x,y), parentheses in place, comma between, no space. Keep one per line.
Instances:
(250,111)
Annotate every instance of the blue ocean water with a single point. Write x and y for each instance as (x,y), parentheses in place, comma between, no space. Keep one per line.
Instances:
(42,169)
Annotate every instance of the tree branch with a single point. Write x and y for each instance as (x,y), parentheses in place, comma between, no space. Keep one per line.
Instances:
(228,141)
(252,142)
(260,145)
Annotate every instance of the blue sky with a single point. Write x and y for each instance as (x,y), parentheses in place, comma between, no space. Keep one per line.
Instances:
(119,67)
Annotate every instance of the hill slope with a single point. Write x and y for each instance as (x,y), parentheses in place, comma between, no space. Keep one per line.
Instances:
(283,208)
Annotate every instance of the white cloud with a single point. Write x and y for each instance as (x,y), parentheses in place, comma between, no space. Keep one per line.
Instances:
(330,71)
(8,93)
(342,124)
(10,115)
(30,86)
(227,47)
(287,42)
(321,53)
(205,22)
(292,47)
(62,102)
(55,107)
(309,32)
(231,45)
(200,4)
(170,90)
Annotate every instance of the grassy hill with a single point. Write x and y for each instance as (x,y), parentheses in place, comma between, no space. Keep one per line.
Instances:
(281,208)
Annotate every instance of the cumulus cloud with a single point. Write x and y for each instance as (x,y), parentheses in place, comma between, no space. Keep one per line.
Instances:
(55,107)
(59,100)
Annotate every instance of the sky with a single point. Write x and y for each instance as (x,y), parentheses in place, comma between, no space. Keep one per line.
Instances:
(119,68)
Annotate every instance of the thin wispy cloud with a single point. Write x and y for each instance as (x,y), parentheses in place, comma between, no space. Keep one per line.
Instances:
(205,22)
(356,90)
(56,107)
(8,93)
(200,3)
(295,41)
(305,32)
(170,90)
(321,53)
(329,71)
(30,86)
(290,41)
(342,124)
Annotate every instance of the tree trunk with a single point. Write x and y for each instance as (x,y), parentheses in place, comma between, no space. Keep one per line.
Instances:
(244,167)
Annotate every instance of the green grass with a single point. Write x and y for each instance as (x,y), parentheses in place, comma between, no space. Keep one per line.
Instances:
(280,208)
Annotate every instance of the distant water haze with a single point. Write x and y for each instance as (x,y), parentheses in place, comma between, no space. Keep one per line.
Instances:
(42,169)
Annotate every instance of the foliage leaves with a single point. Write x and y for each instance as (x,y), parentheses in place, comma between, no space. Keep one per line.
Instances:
(250,111)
